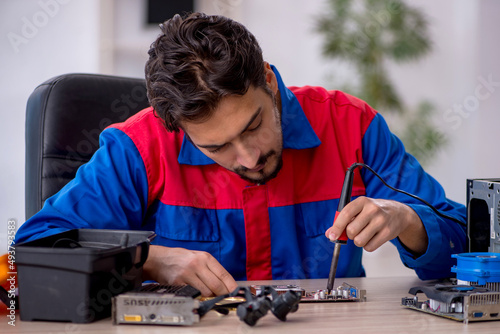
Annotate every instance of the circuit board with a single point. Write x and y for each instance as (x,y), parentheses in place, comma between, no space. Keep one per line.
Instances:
(461,303)
(344,293)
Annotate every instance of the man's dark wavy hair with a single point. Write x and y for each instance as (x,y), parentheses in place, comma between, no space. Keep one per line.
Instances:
(195,62)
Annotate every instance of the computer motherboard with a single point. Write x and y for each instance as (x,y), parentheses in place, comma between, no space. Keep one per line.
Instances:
(343,293)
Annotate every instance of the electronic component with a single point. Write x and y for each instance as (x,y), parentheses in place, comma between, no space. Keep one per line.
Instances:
(157,305)
(477,295)
(343,293)
(256,303)
(478,268)
(280,289)
(475,298)
(458,302)
(173,305)
(268,298)
(483,215)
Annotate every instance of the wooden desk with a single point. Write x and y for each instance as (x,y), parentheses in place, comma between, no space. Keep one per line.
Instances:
(381,313)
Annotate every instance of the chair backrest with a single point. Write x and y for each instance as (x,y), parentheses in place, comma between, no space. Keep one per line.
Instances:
(64,118)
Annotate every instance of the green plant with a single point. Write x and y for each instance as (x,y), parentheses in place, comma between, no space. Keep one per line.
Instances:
(368,34)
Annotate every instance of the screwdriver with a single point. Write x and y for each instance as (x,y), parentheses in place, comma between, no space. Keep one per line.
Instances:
(345,198)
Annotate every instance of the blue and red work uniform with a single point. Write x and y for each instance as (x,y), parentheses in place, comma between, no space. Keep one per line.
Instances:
(145,178)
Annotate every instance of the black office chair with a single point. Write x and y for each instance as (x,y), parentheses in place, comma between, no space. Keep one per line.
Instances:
(64,118)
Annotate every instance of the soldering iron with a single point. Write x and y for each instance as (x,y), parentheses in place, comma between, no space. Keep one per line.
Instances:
(345,198)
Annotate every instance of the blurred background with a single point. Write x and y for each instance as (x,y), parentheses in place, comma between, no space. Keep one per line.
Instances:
(457,71)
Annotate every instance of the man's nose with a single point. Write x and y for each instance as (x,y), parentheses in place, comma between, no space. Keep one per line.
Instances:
(247,156)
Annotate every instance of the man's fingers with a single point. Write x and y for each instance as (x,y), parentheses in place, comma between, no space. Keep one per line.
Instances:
(197,283)
(372,222)
(344,218)
(210,284)
(221,281)
(181,266)
(375,242)
(210,277)
(339,225)
(207,282)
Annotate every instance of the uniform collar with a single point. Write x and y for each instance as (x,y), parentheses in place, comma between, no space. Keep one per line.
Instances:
(297,131)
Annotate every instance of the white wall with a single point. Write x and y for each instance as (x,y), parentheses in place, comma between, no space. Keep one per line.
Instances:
(39,40)
(466,52)
(108,37)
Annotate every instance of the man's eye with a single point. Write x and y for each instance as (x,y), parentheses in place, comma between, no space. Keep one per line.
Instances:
(255,127)
(216,150)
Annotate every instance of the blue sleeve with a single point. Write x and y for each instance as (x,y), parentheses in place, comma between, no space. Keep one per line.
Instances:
(386,154)
(108,192)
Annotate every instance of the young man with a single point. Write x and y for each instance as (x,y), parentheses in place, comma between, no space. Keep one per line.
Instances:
(240,176)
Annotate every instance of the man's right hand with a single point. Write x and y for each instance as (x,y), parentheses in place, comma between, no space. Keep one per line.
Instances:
(179,266)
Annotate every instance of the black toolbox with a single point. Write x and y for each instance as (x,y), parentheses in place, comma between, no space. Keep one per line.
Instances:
(73,275)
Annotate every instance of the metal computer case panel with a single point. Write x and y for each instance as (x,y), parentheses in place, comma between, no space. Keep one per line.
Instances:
(483,215)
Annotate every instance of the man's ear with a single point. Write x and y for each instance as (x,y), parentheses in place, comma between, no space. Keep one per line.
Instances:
(271,80)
